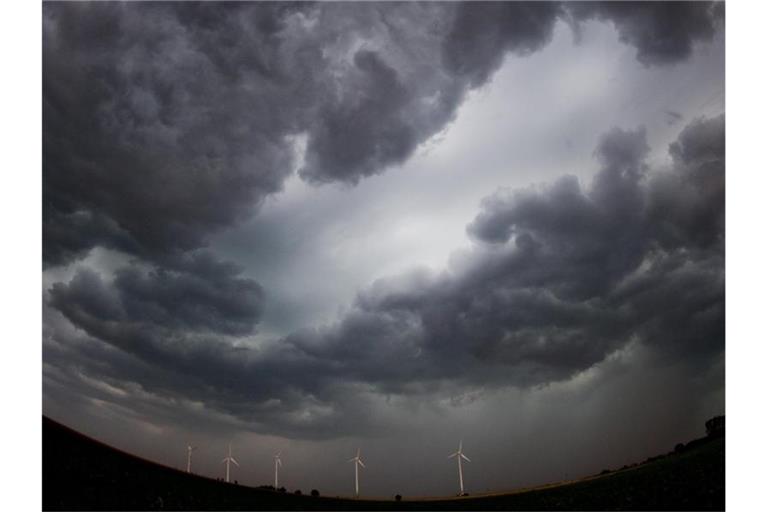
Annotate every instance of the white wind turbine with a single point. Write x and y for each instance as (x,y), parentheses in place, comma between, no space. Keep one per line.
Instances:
(278,462)
(190,449)
(358,462)
(229,459)
(460,455)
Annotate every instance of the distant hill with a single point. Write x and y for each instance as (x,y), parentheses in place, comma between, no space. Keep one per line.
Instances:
(80,473)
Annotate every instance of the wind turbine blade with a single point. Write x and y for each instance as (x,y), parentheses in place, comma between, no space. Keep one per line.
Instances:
(224,460)
(360,462)
(453,455)
(460,444)
(465,458)
(235,462)
(279,462)
(353,459)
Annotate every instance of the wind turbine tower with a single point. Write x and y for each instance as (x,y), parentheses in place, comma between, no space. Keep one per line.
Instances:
(358,462)
(460,455)
(278,462)
(229,459)
(190,449)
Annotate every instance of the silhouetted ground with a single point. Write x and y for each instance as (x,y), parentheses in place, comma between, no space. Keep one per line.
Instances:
(82,474)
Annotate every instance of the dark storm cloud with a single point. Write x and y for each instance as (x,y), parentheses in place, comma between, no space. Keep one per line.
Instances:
(483,32)
(662,32)
(199,294)
(654,252)
(694,215)
(152,137)
(361,135)
(271,389)
(561,278)
(165,123)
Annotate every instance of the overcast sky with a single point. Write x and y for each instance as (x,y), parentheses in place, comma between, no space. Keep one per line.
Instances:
(312,228)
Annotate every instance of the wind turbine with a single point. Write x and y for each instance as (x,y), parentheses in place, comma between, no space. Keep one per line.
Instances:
(358,462)
(190,449)
(278,462)
(459,455)
(229,459)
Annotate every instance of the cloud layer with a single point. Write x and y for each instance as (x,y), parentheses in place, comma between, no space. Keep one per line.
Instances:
(662,32)
(561,277)
(166,123)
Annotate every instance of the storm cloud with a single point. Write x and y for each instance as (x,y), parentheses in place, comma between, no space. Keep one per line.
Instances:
(200,294)
(561,277)
(166,123)
(322,226)
(662,32)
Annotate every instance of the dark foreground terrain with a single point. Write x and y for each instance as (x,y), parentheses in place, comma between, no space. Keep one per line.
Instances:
(82,474)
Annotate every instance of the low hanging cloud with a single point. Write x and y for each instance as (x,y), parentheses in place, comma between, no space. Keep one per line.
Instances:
(662,32)
(484,32)
(155,134)
(166,123)
(201,294)
(561,277)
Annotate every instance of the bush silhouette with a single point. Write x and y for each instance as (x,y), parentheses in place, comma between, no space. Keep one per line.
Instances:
(398,497)
(315,493)
(715,426)
(282,489)
(297,492)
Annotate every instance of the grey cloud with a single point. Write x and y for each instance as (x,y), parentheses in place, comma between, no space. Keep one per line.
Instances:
(203,295)
(166,123)
(564,205)
(358,136)
(173,121)
(673,117)
(275,390)
(146,127)
(178,334)
(700,144)
(587,272)
(564,280)
(662,32)
(71,235)
(561,278)
(653,251)
(483,33)
(568,229)
(688,207)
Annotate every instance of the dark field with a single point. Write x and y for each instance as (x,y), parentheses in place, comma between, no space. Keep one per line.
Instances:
(82,474)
